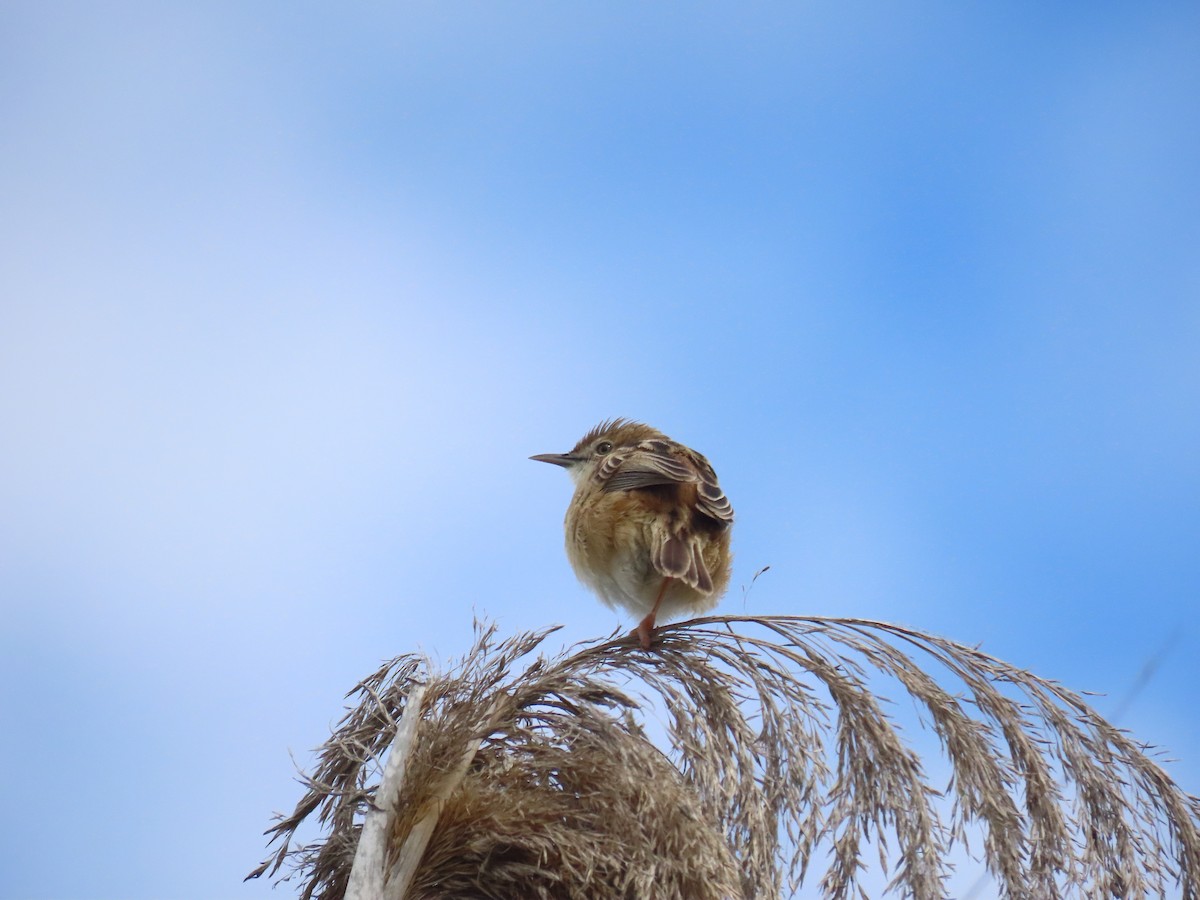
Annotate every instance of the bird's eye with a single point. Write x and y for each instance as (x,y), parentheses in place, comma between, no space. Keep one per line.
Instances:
(603,447)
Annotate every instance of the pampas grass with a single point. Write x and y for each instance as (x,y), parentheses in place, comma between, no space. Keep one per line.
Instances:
(520,775)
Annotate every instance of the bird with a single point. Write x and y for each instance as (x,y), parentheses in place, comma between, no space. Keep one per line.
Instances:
(648,527)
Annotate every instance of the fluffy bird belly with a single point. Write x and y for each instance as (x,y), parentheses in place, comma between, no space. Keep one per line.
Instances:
(608,546)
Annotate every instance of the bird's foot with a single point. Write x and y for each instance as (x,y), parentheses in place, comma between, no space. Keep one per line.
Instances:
(645,631)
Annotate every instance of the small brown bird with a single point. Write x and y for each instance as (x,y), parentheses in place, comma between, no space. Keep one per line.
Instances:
(648,528)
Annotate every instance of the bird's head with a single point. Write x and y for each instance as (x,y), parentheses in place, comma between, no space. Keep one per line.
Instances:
(581,461)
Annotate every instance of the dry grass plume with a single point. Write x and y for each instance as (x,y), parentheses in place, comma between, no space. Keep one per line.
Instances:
(519,776)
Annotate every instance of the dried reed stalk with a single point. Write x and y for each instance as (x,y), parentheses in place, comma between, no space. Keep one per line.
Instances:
(541,783)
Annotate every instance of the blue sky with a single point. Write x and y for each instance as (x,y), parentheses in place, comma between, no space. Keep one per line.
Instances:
(289,293)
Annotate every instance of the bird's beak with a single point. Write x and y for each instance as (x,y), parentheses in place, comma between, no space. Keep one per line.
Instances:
(566,460)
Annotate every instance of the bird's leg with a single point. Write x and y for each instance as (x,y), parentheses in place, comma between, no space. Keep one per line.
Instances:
(645,627)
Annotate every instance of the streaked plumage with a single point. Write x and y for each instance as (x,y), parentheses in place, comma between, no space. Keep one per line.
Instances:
(648,528)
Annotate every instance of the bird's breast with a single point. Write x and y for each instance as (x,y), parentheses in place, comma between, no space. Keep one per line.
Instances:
(608,545)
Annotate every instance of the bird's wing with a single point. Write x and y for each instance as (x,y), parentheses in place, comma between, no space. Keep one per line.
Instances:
(660,462)
(713,502)
(711,499)
(644,465)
